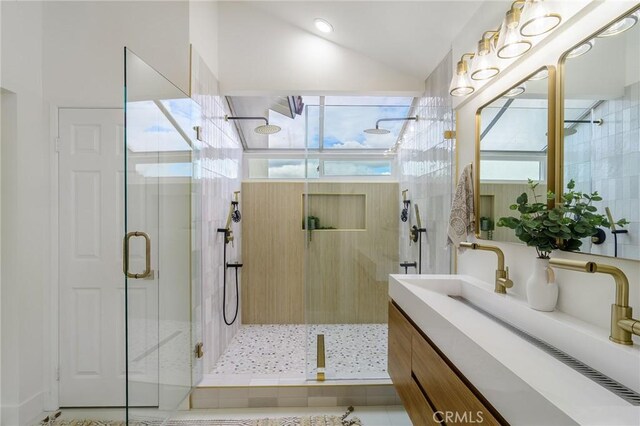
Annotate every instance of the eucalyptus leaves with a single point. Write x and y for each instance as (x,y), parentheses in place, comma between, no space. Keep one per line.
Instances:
(558,228)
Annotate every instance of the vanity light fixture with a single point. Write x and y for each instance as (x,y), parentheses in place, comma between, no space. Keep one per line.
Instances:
(537,20)
(511,44)
(540,75)
(524,19)
(461,83)
(483,66)
(621,26)
(582,49)
(518,90)
(323,25)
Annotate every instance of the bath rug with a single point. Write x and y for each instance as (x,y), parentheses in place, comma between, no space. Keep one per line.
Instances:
(281,421)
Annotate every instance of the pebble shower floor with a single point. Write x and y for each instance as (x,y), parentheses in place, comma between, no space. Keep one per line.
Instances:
(352,351)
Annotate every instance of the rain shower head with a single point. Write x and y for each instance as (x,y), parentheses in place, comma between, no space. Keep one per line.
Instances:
(379,131)
(265,129)
(571,130)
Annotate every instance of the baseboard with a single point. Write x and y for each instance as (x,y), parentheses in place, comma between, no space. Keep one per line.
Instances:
(25,414)
(9,415)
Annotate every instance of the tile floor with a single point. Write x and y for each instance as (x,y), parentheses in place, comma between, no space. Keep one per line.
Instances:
(353,351)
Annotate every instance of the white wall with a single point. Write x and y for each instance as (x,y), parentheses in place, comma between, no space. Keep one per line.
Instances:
(62,54)
(260,54)
(83,47)
(587,297)
(203,31)
(25,214)
(1,122)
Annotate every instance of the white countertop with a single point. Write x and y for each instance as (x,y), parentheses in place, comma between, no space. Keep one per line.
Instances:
(482,348)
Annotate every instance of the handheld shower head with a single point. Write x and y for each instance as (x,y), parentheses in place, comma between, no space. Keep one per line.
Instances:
(406,205)
(418,221)
(235,215)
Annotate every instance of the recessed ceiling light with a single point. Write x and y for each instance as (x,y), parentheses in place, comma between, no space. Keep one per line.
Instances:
(323,25)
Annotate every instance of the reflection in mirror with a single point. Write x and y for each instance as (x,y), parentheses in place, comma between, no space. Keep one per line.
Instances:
(601,143)
(513,145)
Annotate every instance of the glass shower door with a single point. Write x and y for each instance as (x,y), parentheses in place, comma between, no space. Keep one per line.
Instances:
(160,123)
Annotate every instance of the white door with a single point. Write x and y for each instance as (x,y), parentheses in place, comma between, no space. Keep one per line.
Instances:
(92,299)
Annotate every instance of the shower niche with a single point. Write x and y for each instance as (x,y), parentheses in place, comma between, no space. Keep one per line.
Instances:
(334,212)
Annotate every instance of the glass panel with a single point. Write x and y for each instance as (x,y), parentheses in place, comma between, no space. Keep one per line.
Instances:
(293,133)
(266,168)
(352,240)
(357,168)
(510,170)
(344,126)
(159,140)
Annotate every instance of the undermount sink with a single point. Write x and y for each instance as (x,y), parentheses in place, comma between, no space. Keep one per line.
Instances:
(458,329)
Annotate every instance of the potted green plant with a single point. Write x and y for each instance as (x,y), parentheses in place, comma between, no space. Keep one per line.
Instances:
(561,227)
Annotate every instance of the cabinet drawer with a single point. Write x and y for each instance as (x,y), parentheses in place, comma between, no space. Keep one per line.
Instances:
(418,409)
(400,334)
(445,389)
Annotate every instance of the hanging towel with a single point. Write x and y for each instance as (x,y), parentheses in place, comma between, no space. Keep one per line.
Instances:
(463,219)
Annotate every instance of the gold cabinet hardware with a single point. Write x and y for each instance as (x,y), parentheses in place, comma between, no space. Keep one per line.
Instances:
(125,255)
(199,351)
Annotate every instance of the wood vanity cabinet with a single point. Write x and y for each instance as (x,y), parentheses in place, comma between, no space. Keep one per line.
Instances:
(430,388)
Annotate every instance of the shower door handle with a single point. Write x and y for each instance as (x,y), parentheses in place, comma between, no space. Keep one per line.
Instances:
(125,255)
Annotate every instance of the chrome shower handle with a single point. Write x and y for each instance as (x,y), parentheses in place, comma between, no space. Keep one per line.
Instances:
(125,255)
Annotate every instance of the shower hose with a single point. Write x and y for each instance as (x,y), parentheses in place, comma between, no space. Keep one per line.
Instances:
(224,290)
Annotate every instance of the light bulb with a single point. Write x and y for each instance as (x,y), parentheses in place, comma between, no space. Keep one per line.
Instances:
(483,66)
(460,83)
(510,42)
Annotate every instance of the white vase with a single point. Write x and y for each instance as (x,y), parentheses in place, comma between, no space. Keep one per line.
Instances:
(542,289)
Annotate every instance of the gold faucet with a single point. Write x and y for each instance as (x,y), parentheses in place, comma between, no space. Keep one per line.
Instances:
(622,324)
(502,274)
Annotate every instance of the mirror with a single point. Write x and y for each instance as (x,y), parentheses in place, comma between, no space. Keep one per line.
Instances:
(514,143)
(600,138)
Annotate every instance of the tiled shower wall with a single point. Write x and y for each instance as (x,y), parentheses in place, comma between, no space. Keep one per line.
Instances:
(217,174)
(605,159)
(426,164)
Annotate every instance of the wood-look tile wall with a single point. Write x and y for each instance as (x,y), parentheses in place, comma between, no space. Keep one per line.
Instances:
(347,270)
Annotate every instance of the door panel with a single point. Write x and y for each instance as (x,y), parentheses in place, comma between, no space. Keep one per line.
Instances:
(159,142)
(91,288)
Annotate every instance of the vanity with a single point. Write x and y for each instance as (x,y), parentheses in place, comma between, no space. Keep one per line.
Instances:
(457,355)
